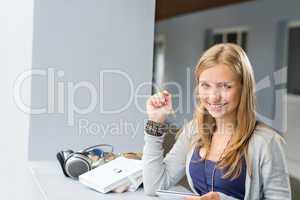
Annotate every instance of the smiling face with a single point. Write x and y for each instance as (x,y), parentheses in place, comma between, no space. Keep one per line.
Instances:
(220,91)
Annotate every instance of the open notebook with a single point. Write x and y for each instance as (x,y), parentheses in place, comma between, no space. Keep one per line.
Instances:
(113,174)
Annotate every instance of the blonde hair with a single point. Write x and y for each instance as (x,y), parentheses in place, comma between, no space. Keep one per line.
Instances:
(234,57)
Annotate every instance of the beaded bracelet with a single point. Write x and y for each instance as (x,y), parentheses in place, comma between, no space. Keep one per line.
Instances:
(155,128)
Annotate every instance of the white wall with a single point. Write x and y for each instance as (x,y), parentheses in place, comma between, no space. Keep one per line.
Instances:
(292,136)
(16,20)
(78,40)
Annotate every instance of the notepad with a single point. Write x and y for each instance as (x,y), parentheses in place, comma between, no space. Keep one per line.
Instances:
(173,195)
(113,174)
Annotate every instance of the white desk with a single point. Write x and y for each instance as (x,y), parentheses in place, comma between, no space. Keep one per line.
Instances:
(53,185)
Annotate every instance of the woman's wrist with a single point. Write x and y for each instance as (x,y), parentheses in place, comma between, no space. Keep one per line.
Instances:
(157,120)
(155,128)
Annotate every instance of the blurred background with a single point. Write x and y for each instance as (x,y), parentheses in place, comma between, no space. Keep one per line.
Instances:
(269,32)
(71,71)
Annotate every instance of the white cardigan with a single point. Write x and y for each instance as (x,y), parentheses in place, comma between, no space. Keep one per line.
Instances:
(269,180)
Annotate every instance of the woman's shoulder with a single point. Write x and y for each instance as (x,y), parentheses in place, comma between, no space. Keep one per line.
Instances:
(265,132)
(265,135)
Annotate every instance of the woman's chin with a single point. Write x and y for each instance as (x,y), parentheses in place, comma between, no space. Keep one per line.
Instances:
(218,114)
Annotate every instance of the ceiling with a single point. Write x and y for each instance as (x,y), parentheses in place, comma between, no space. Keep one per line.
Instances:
(171,8)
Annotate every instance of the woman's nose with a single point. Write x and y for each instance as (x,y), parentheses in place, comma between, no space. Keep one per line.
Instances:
(214,96)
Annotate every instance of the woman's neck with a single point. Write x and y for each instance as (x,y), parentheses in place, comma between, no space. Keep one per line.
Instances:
(226,125)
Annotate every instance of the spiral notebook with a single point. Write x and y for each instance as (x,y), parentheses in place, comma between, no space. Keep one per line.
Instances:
(113,174)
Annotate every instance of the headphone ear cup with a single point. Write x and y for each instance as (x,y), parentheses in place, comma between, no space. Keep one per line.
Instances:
(77,164)
(61,159)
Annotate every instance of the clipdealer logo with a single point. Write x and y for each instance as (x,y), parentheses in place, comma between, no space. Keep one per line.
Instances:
(61,95)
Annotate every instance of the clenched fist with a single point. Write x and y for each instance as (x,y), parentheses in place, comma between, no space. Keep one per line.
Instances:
(159,106)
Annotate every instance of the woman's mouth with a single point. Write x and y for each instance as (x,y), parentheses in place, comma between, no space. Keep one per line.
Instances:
(216,107)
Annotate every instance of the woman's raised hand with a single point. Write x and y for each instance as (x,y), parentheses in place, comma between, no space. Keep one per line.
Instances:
(159,106)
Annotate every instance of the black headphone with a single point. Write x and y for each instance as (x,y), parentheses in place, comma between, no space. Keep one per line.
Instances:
(74,164)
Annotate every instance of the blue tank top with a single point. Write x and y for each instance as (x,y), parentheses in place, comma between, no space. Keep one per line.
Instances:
(202,178)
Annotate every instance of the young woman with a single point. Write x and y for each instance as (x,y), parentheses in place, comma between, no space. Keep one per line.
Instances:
(224,151)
